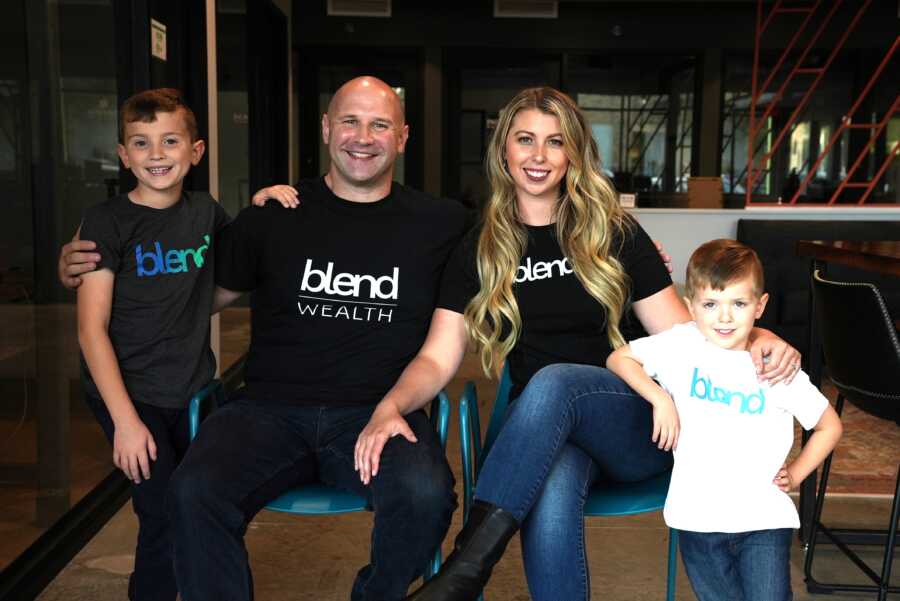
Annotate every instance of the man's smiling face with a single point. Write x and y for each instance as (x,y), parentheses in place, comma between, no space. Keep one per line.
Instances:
(365,131)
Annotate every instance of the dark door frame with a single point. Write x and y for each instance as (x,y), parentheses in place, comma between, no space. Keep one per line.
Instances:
(267,94)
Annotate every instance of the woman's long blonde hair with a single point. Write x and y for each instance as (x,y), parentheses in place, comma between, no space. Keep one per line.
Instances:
(587,217)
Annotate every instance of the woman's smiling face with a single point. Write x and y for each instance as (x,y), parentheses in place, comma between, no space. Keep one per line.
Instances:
(535,155)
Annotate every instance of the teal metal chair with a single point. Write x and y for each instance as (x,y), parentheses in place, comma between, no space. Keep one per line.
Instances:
(607,499)
(319,499)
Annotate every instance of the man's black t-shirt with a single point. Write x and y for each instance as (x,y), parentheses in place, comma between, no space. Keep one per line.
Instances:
(159,323)
(343,291)
(561,322)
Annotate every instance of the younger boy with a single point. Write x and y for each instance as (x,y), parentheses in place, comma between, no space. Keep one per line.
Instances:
(143,316)
(728,491)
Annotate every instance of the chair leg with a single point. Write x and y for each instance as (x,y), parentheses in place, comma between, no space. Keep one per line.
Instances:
(889,546)
(673,564)
(820,503)
(433,566)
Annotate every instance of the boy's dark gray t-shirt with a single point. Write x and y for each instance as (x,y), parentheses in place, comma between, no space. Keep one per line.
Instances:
(159,323)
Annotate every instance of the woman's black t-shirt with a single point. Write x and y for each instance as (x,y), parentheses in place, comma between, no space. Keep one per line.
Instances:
(561,322)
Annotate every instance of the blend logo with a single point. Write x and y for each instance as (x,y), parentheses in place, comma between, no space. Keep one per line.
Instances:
(542,270)
(360,287)
(156,262)
(750,403)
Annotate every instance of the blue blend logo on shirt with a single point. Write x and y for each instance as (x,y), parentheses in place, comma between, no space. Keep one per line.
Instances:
(702,388)
(155,262)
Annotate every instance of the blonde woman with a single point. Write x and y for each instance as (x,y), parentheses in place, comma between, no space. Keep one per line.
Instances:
(545,284)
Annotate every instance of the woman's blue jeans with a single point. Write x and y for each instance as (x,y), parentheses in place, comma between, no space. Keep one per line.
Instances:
(571,425)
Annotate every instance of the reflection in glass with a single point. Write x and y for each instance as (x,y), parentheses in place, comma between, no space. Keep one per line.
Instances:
(632,135)
(52,452)
(805,164)
(231,52)
(799,149)
(234,154)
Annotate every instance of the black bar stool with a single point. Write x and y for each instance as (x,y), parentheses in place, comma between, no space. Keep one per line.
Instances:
(863,357)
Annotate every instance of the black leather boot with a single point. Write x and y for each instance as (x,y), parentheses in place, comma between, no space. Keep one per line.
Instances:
(478,547)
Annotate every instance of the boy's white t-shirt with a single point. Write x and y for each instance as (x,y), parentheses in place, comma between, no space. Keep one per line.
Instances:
(735,433)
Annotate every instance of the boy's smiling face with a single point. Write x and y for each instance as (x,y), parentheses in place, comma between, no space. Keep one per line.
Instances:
(160,154)
(726,317)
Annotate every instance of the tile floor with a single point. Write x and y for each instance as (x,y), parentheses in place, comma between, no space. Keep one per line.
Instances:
(316,558)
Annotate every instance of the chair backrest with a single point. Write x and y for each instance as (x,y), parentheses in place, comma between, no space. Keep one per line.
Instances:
(439,416)
(498,414)
(860,344)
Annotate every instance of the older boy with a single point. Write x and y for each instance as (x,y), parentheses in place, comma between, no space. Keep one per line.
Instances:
(730,433)
(143,316)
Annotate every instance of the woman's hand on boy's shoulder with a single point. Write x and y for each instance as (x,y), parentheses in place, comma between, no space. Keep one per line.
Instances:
(284,194)
(775,360)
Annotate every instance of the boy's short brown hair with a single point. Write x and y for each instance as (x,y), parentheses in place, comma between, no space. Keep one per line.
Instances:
(718,263)
(143,107)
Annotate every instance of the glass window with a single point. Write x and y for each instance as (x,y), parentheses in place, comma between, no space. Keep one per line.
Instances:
(483,90)
(793,151)
(231,63)
(641,114)
(234,154)
(640,111)
(52,452)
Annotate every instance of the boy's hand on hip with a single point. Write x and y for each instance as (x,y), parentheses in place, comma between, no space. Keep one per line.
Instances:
(133,449)
(783,479)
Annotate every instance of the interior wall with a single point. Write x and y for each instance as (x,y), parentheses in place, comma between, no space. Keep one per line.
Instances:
(682,230)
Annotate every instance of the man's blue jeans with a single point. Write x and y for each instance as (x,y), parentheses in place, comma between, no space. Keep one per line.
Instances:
(571,425)
(247,453)
(741,566)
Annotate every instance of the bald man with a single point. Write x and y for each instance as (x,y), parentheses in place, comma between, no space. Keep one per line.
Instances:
(344,289)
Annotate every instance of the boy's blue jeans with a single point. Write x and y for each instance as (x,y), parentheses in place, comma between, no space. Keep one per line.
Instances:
(571,425)
(247,453)
(153,578)
(741,566)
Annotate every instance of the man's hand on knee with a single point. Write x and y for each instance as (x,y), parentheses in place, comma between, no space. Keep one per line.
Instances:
(385,423)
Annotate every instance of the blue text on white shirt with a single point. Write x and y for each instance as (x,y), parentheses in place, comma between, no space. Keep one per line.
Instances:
(750,403)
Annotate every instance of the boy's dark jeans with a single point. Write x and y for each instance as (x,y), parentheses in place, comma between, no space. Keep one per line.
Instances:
(738,566)
(248,452)
(153,578)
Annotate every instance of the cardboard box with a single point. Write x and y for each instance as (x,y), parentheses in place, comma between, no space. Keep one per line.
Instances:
(705,192)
